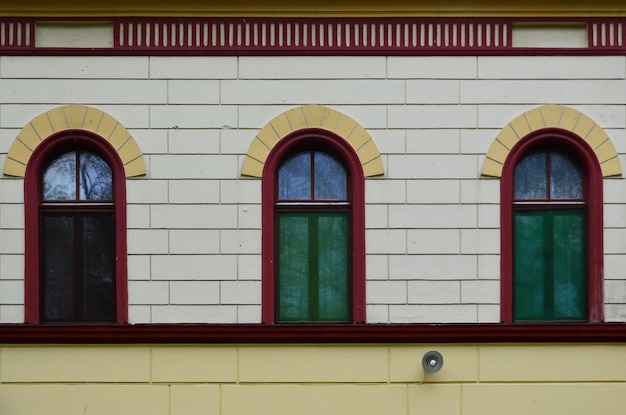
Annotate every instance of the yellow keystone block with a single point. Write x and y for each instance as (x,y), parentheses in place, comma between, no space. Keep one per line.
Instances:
(606,151)
(258,150)
(373,168)
(569,119)
(57,119)
(534,119)
(75,115)
(596,137)
(330,120)
(611,167)
(107,125)
(42,126)
(492,168)
(92,119)
(314,115)
(19,152)
(252,167)
(368,152)
(359,137)
(508,137)
(520,126)
(296,119)
(551,115)
(135,167)
(129,151)
(14,168)
(498,152)
(28,136)
(118,137)
(267,136)
(345,126)
(281,125)
(583,126)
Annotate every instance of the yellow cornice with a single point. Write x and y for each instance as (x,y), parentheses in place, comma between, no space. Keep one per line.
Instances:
(314,8)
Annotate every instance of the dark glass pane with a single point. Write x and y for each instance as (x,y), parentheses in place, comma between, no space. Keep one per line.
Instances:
(549,265)
(59,178)
(96,178)
(569,269)
(293,267)
(330,178)
(333,271)
(57,268)
(98,240)
(566,178)
(530,258)
(530,177)
(294,178)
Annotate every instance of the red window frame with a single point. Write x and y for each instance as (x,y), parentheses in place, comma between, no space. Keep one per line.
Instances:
(592,194)
(313,139)
(33,198)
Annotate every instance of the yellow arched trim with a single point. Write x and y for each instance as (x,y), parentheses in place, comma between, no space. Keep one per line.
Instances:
(312,116)
(71,117)
(553,116)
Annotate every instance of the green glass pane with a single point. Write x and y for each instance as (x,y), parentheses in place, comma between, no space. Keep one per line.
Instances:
(333,287)
(293,267)
(570,299)
(549,265)
(530,257)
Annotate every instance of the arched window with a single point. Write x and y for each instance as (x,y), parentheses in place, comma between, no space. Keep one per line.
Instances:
(313,231)
(551,230)
(75,232)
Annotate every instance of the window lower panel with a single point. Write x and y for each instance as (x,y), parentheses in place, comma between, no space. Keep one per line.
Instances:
(77,267)
(313,269)
(550,267)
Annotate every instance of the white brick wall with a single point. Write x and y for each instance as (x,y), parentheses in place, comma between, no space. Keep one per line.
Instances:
(194,224)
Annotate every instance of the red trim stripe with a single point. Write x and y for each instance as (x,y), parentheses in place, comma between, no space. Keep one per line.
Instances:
(315,36)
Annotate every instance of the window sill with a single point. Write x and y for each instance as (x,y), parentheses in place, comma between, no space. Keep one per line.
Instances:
(284,334)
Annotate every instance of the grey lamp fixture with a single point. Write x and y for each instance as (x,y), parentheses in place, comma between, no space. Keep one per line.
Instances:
(432,361)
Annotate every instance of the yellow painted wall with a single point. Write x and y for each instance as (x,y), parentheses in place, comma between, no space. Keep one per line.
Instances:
(476,379)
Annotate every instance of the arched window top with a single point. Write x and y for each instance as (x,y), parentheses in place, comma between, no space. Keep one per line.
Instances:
(307,118)
(548,174)
(77,176)
(67,120)
(550,118)
(312,175)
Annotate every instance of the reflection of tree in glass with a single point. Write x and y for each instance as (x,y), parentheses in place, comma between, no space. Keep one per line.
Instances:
(59,178)
(94,175)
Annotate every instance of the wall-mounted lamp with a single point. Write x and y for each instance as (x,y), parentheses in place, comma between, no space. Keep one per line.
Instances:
(432,361)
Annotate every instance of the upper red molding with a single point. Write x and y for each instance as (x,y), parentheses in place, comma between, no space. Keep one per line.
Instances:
(313,36)
(285,334)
